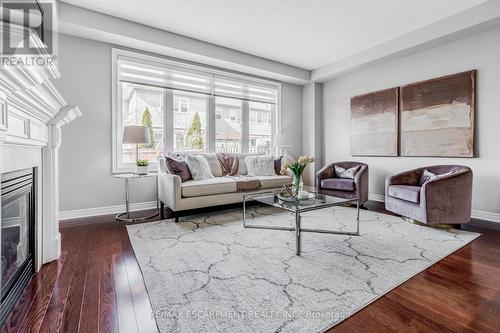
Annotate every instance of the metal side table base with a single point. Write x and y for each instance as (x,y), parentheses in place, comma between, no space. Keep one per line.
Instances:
(120,217)
(125,217)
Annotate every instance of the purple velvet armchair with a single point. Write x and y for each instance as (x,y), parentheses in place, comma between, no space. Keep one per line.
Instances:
(328,183)
(445,199)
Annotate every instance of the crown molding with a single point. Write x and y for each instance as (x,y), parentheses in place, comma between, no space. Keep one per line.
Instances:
(21,75)
(28,99)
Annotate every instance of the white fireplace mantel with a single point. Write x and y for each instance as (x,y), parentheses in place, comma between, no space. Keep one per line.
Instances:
(32,113)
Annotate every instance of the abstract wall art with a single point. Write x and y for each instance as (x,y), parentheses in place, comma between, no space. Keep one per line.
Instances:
(374,123)
(437,117)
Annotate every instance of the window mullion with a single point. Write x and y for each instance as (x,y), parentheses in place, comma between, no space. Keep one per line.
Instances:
(211,123)
(168,134)
(245,127)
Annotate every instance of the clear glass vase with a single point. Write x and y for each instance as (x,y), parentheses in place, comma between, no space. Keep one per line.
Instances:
(298,184)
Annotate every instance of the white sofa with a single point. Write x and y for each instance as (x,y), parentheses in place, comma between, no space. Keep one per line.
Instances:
(220,190)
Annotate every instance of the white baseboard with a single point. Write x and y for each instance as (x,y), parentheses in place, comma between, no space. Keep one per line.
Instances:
(477,214)
(376,197)
(88,212)
(488,216)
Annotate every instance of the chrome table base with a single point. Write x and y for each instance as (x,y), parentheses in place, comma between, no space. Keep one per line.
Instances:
(125,217)
(298,229)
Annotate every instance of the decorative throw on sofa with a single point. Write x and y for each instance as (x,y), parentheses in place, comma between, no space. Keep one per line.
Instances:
(229,164)
(199,167)
(346,173)
(246,183)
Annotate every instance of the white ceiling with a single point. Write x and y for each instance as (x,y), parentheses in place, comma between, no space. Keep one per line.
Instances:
(305,33)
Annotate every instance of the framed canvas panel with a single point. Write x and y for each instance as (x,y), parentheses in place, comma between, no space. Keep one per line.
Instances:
(374,123)
(437,117)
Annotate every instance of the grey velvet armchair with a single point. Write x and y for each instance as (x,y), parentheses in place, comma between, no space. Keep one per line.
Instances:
(445,199)
(328,183)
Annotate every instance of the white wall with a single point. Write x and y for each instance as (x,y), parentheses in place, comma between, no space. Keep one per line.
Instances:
(312,134)
(481,52)
(291,115)
(85,157)
(86,181)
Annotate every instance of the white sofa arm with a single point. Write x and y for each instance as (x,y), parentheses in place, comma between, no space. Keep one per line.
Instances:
(169,189)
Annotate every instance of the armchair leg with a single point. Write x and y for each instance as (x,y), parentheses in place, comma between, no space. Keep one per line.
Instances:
(162,211)
(176,219)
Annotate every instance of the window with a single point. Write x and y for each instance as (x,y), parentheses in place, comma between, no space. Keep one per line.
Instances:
(142,105)
(188,108)
(191,124)
(261,131)
(228,138)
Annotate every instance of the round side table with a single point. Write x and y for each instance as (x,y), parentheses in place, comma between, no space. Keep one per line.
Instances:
(126,215)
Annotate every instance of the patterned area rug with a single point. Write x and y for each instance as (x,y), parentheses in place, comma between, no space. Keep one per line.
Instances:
(209,274)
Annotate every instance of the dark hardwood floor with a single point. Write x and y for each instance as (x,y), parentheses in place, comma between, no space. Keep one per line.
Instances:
(97,286)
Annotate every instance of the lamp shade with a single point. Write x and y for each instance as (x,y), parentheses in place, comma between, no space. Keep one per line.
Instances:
(135,135)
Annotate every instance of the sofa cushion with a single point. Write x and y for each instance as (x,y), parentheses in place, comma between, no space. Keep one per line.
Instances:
(426,176)
(346,173)
(211,158)
(216,185)
(242,165)
(278,161)
(229,163)
(199,167)
(260,165)
(274,181)
(214,163)
(178,166)
(338,184)
(405,192)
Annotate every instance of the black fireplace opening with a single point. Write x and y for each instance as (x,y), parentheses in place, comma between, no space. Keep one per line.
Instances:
(18,201)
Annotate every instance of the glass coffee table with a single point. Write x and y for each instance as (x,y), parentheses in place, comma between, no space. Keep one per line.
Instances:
(315,202)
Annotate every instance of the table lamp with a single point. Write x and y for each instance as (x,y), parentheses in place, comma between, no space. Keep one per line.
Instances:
(135,135)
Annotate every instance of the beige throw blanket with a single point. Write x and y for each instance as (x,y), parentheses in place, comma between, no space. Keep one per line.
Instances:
(229,164)
(246,183)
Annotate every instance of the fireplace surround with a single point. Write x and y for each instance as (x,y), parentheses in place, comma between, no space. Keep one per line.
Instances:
(32,113)
(17,234)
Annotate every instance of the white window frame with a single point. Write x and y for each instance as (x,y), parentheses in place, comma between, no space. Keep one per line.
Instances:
(118,167)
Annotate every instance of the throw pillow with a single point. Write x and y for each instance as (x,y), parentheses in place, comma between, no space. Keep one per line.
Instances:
(214,164)
(199,167)
(178,166)
(260,165)
(242,165)
(426,176)
(277,164)
(346,173)
(229,164)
